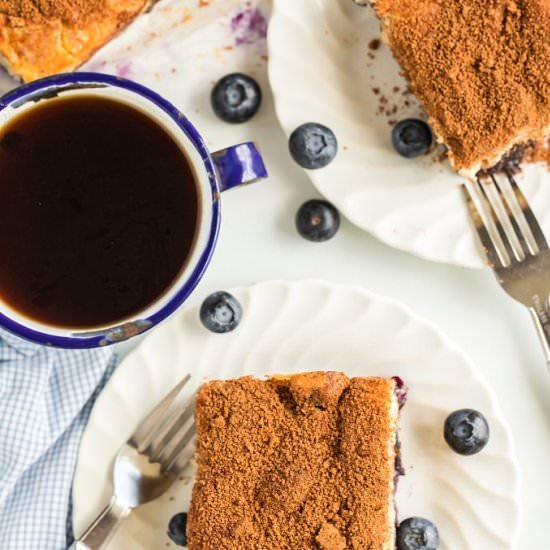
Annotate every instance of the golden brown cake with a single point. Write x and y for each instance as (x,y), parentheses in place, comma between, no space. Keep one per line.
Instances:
(43,37)
(480,68)
(300,462)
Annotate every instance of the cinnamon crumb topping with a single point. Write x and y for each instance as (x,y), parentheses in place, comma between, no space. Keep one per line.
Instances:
(70,11)
(301,462)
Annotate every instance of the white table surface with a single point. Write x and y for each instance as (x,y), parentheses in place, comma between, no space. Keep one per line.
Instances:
(258,241)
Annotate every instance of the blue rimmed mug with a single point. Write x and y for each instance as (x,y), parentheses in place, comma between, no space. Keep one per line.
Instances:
(215,172)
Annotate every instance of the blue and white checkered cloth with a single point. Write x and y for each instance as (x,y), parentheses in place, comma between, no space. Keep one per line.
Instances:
(46,396)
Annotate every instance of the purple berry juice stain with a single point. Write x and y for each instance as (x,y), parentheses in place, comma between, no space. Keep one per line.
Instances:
(124,70)
(248,26)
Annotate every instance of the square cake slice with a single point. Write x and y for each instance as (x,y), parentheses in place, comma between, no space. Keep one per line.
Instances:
(300,462)
(42,37)
(480,68)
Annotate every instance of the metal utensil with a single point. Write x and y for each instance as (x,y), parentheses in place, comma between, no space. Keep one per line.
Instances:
(146,465)
(514,244)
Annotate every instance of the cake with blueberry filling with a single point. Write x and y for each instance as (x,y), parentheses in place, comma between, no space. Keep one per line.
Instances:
(42,37)
(304,462)
(480,69)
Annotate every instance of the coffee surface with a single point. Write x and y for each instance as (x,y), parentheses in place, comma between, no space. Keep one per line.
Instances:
(98,211)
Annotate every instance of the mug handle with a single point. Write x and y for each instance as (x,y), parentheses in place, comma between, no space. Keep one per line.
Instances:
(239,165)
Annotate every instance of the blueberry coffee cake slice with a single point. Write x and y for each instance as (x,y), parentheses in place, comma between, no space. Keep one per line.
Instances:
(304,462)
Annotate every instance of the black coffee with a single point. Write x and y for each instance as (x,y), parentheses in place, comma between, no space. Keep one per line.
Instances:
(98,211)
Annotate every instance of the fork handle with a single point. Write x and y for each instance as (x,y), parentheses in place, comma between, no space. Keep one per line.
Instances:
(541,319)
(103,528)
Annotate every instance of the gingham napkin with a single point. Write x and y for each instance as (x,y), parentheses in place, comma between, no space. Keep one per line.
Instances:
(46,396)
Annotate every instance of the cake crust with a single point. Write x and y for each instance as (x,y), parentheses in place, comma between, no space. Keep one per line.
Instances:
(301,462)
(480,68)
(39,38)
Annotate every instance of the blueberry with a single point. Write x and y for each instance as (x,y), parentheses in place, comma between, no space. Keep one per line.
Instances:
(466,431)
(417,534)
(411,138)
(236,97)
(176,529)
(221,312)
(317,220)
(313,145)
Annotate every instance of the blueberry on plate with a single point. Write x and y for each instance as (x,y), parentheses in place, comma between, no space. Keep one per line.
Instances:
(176,529)
(236,98)
(317,220)
(411,138)
(221,312)
(466,431)
(417,534)
(313,145)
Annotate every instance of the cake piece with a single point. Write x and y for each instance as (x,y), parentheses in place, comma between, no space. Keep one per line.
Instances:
(480,69)
(43,37)
(300,462)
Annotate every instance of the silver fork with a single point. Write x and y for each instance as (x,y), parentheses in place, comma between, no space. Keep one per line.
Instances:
(514,244)
(146,465)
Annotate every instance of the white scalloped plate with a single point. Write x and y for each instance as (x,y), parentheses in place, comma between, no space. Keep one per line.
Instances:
(322,70)
(304,326)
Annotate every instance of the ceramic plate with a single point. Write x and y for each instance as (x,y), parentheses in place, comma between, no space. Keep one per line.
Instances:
(326,66)
(304,326)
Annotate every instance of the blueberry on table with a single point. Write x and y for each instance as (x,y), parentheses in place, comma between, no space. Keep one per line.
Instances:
(417,534)
(466,431)
(176,529)
(317,220)
(411,138)
(221,312)
(236,98)
(313,145)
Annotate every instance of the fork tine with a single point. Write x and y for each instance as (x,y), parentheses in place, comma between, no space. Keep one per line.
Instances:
(490,208)
(526,247)
(530,218)
(184,456)
(174,458)
(145,432)
(491,251)
(182,419)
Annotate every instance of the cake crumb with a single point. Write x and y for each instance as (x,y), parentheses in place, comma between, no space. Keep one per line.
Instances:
(186,16)
(374,44)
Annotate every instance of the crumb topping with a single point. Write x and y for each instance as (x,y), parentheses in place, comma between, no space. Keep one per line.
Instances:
(70,11)
(301,462)
(481,69)
(329,538)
